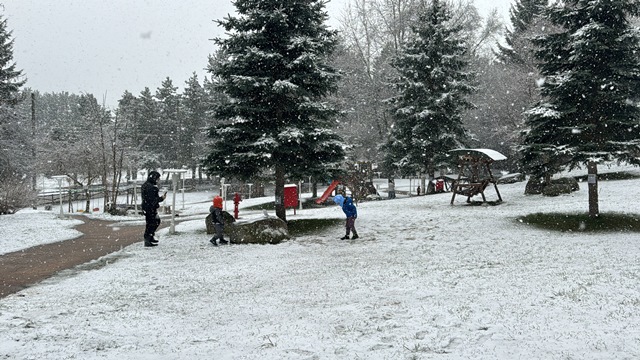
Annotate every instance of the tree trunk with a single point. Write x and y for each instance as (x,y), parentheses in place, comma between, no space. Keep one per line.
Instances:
(87,196)
(280,210)
(105,185)
(70,210)
(431,174)
(592,180)
(117,160)
(257,190)
(34,151)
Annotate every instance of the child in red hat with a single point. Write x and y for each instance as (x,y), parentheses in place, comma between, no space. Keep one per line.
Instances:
(218,221)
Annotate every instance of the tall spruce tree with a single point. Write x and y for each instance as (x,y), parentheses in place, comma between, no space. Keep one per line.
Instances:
(11,79)
(127,116)
(433,84)
(168,129)
(589,113)
(151,135)
(195,115)
(523,14)
(275,74)
(13,134)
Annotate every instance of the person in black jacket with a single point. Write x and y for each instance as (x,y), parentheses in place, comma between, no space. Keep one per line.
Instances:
(151,200)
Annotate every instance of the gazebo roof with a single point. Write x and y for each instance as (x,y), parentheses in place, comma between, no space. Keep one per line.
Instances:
(480,154)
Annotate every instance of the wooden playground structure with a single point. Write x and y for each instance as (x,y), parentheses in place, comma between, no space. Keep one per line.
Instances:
(475,173)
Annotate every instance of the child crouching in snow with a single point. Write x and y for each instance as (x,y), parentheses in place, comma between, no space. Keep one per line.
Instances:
(218,221)
(352,214)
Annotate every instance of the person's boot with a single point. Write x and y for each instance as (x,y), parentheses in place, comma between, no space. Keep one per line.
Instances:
(355,236)
(346,237)
(223,242)
(213,241)
(148,241)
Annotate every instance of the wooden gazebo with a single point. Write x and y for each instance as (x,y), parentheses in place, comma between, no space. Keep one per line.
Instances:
(475,172)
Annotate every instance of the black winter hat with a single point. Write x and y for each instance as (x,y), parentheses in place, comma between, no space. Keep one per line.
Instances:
(154,175)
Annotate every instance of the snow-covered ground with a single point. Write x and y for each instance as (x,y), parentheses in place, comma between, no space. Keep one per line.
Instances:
(425,280)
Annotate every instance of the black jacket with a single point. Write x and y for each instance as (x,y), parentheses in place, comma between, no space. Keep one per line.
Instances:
(150,197)
(216,215)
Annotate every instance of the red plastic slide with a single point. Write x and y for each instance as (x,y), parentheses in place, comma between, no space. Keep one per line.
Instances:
(327,192)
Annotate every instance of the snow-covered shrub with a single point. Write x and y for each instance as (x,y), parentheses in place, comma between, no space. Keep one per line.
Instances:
(14,196)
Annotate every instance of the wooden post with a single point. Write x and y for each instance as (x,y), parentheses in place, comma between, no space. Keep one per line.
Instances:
(174,185)
(592,180)
(494,181)
(455,186)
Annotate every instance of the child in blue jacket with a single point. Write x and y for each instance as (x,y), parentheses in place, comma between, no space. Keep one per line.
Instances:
(352,214)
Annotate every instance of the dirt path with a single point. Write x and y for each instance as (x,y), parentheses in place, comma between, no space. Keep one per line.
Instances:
(23,268)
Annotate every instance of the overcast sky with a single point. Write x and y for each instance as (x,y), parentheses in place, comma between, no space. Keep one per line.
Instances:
(105,47)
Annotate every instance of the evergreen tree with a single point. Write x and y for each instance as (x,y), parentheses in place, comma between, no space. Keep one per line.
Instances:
(10,78)
(168,129)
(589,113)
(10,124)
(523,15)
(127,115)
(275,74)
(152,137)
(433,86)
(214,96)
(128,112)
(194,112)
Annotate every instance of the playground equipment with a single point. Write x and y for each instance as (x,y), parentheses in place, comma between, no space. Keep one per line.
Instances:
(475,172)
(327,192)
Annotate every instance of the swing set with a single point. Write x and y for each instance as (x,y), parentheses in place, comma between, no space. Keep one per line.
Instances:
(475,173)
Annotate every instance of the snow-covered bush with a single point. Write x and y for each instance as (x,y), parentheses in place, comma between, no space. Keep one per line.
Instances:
(14,196)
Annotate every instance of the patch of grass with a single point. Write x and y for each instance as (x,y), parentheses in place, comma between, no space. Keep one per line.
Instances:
(609,222)
(306,204)
(308,226)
